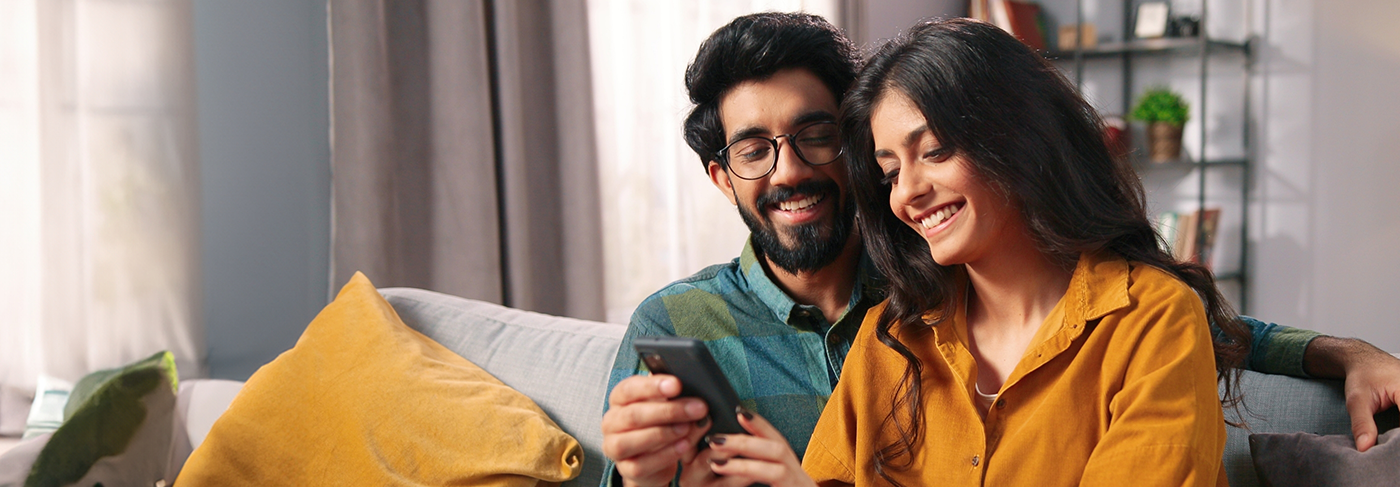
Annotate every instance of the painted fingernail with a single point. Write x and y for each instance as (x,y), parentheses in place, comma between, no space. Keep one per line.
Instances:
(740,410)
(719,461)
(715,440)
(703,422)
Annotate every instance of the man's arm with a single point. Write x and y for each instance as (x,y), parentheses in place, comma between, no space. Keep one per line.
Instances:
(1277,349)
(1372,376)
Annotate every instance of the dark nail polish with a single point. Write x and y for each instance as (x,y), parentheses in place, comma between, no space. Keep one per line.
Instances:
(702,422)
(720,461)
(715,440)
(743,412)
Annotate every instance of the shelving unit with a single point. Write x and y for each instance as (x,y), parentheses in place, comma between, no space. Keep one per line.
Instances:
(1203,48)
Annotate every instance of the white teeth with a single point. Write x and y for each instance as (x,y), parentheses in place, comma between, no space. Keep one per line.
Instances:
(801,204)
(940,216)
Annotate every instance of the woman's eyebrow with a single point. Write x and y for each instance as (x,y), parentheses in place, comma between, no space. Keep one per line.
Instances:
(915,134)
(909,139)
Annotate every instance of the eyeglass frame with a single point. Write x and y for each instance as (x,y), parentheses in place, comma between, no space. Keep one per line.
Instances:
(723,154)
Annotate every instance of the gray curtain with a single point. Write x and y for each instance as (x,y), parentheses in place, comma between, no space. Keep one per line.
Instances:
(463,155)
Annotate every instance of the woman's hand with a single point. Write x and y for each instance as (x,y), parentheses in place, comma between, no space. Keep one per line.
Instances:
(741,460)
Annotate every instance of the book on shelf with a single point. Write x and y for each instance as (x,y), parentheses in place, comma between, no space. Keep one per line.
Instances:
(978,9)
(1021,18)
(1189,236)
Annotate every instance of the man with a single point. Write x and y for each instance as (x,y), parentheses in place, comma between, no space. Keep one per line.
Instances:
(780,318)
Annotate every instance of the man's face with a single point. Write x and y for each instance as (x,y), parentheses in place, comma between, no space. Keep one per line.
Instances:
(799,214)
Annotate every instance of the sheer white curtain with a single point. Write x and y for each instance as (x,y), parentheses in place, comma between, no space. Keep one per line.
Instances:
(98,187)
(662,219)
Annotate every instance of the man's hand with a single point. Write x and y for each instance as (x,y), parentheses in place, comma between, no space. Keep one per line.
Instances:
(646,432)
(1372,386)
(1372,380)
(741,460)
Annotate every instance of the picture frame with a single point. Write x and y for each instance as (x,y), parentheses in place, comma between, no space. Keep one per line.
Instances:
(1152,20)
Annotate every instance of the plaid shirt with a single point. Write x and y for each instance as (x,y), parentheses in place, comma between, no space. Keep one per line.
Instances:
(783,358)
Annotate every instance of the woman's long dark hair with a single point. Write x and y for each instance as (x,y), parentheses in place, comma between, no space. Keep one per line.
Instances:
(1026,133)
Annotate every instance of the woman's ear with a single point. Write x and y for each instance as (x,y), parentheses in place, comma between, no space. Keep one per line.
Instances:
(720,177)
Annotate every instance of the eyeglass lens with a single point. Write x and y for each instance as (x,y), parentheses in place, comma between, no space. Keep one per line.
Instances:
(753,157)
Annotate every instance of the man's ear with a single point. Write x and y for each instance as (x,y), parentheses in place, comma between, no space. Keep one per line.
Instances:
(720,177)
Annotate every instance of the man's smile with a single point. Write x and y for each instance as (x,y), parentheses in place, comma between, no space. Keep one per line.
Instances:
(799,210)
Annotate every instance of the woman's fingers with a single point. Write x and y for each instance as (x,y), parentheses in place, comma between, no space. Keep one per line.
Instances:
(758,426)
(763,456)
(746,471)
(751,447)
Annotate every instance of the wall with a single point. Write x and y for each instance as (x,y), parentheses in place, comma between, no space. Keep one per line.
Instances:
(1327,233)
(261,69)
(883,19)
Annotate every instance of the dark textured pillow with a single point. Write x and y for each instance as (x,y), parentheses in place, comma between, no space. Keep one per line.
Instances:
(1285,460)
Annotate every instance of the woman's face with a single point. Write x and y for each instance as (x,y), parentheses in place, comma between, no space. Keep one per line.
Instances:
(934,191)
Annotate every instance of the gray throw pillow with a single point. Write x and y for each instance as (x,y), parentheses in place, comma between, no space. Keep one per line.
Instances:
(1289,459)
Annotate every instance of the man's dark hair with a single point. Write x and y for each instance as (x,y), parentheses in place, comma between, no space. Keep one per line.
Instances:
(754,47)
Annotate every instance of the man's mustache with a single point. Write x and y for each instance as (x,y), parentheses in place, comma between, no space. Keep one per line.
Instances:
(805,188)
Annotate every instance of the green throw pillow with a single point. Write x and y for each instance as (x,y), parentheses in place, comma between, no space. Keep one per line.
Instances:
(116,430)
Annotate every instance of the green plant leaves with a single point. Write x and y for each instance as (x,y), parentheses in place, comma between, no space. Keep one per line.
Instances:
(1161,105)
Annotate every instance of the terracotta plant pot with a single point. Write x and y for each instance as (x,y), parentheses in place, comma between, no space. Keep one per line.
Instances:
(1164,141)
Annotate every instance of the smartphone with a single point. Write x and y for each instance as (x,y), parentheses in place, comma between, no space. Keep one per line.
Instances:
(700,376)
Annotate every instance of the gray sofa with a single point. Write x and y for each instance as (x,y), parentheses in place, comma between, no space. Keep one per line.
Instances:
(563,364)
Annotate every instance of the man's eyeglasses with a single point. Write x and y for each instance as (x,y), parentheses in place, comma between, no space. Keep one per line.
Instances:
(754,157)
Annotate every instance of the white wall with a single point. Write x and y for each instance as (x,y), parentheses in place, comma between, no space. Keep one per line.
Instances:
(261,70)
(1327,233)
(883,19)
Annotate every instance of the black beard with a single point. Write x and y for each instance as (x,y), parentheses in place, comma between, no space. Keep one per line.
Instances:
(817,243)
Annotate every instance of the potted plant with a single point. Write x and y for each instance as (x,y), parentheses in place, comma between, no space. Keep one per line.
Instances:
(1165,113)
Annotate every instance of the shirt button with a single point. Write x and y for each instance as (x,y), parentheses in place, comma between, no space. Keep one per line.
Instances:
(1001,404)
(975,460)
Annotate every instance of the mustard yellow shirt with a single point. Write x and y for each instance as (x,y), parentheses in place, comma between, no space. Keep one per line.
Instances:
(1117,388)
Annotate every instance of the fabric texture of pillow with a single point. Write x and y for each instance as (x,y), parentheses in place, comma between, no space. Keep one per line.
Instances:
(1302,459)
(363,399)
(118,429)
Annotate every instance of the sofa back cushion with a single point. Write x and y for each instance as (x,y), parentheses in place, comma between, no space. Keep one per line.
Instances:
(560,363)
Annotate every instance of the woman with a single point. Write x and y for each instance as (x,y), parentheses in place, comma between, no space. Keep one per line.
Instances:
(1035,332)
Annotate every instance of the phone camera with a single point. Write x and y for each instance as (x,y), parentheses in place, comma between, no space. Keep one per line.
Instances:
(653,361)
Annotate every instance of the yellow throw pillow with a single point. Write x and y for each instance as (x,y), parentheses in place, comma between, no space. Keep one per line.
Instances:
(362,399)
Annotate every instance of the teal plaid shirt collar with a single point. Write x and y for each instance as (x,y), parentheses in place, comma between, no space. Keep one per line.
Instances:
(868,281)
